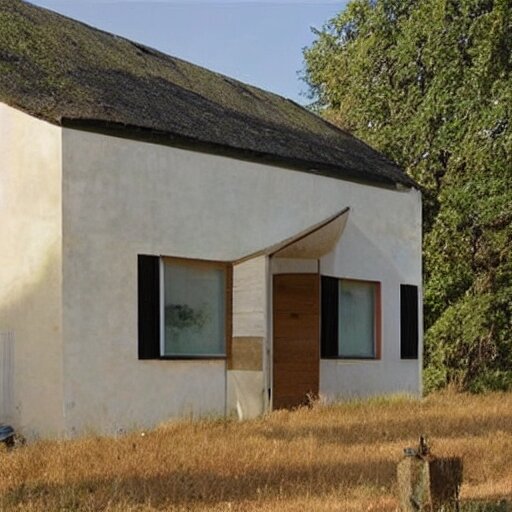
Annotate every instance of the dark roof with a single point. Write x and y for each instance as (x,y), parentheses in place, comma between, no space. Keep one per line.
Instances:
(71,74)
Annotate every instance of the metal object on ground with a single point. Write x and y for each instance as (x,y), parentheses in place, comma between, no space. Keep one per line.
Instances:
(7,435)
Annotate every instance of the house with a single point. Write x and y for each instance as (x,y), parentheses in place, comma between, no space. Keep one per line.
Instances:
(177,243)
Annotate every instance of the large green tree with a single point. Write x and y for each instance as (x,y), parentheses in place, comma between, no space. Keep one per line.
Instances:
(429,83)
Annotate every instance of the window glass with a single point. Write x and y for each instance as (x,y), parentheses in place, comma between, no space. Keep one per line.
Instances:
(194,309)
(356,324)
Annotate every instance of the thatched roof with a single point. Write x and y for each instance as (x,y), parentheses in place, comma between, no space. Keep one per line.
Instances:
(71,74)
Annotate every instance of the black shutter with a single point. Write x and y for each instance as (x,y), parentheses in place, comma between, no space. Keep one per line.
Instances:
(408,321)
(329,312)
(149,306)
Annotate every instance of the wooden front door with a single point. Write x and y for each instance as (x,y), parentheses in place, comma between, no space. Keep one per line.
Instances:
(296,347)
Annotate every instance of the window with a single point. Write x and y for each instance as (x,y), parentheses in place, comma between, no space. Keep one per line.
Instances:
(409,338)
(194,314)
(350,319)
(183,308)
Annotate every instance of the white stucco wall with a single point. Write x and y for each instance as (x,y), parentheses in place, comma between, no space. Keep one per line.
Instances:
(122,198)
(381,242)
(30,272)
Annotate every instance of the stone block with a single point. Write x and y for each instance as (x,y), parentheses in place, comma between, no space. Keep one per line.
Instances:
(429,484)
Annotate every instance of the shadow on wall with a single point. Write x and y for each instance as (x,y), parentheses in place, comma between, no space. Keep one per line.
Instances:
(30,320)
(370,259)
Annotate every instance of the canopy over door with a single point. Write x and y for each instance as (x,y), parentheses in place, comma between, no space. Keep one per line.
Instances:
(311,243)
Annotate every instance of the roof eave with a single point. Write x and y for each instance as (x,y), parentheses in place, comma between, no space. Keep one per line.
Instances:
(159,137)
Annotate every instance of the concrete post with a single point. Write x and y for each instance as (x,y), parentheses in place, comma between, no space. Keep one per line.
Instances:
(427,483)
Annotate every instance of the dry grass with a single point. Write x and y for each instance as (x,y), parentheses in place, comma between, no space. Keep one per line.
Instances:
(325,458)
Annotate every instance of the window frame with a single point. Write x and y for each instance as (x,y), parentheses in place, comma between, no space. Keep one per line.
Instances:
(228,306)
(377,322)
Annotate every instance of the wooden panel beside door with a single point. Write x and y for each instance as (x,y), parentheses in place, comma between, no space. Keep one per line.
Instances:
(296,348)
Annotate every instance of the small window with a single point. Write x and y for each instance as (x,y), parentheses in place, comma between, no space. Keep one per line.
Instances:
(184,308)
(350,319)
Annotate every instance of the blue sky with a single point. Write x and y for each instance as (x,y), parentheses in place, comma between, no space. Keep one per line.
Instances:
(259,42)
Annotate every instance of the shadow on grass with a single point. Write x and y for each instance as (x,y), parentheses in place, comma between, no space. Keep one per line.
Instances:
(209,488)
(436,426)
(501,506)
(182,488)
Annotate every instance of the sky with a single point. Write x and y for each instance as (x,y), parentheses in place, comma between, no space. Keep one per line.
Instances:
(258,42)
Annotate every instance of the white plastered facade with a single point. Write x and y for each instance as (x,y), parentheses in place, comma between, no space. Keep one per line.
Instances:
(81,207)
(31,273)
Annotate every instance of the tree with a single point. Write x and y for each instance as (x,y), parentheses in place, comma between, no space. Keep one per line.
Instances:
(428,82)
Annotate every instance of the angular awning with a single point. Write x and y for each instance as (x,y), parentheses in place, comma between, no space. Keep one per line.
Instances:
(311,243)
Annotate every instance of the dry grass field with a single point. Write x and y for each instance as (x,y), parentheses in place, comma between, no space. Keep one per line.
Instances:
(323,458)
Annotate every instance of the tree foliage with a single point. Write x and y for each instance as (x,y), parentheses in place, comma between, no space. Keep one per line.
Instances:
(428,82)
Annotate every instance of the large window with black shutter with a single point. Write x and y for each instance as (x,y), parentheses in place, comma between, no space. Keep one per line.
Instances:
(350,324)
(184,308)
(409,325)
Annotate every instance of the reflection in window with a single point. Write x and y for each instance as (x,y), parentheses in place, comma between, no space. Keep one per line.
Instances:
(194,309)
(356,326)
(350,321)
